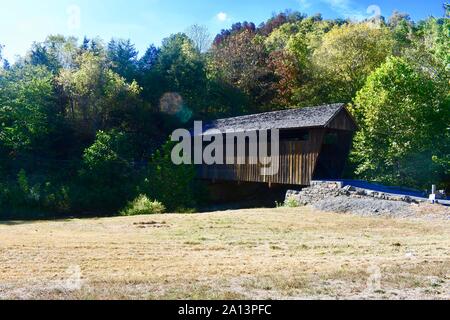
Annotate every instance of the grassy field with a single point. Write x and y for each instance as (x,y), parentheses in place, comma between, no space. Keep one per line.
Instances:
(250,254)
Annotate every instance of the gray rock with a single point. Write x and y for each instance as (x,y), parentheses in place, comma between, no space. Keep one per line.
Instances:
(349,188)
(365,206)
(332,196)
(361,192)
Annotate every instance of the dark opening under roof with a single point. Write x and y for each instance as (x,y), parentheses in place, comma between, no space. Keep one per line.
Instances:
(311,117)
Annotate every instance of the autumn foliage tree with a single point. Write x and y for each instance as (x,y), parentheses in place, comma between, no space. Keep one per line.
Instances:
(242,61)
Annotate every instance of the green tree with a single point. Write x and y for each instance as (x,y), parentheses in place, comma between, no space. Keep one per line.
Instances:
(94,46)
(149,59)
(123,56)
(27,103)
(402,29)
(181,70)
(347,56)
(106,176)
(404,127)
(1,56)
(55,52)
(95,93)
(168,183)
(4,63)
(432,37)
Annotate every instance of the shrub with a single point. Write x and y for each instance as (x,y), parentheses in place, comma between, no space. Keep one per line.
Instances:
(33,196)
(171,184)
(291,202)
(142,206)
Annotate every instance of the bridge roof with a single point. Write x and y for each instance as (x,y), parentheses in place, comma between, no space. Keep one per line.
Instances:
(311,117)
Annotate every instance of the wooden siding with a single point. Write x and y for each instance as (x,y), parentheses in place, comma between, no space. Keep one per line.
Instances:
(297,162)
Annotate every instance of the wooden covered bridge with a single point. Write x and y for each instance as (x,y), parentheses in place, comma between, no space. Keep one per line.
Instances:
(314,144)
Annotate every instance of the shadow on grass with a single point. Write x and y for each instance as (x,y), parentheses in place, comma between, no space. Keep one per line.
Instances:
(22,217)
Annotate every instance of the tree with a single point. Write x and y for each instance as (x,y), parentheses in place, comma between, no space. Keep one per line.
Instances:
(403,117)
(289,72)
(27,103)
(291,48)
(94,46)
(106,173)
(6,65)
(181,70)
(402,28)
(55,52)
(277,20)
(94,93)
(398,18)
(431,37)
(348,54)
(3,62)
(242,61)
(123,57)
(1,49)
(200,36)
(149,59)
(279,38)
(170,184)
(235,29)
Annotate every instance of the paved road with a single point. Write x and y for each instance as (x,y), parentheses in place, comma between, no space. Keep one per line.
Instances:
(398,191)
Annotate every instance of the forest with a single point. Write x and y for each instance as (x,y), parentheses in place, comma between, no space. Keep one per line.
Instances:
(85,124)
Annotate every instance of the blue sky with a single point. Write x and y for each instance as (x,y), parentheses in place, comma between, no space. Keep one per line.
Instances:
(149,21)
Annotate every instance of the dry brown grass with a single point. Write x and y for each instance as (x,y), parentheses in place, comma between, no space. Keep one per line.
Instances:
(254,254)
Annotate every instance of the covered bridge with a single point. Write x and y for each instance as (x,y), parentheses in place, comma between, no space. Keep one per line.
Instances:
(314,144)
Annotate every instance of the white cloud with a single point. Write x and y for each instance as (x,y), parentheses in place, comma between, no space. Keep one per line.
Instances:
(338,3)
(347,9)
(222,16)
(304,4)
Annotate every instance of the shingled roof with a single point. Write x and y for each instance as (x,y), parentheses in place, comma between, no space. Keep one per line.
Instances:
(312,117)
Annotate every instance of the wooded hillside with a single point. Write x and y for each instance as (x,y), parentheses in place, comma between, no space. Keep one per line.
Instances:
(84,124)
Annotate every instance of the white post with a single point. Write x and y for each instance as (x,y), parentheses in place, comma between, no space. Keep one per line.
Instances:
(433,194)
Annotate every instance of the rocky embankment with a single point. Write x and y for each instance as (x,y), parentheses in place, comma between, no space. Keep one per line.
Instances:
(333,197)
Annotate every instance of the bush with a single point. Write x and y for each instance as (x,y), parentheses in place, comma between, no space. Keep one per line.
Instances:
(142,206)
(171,184)
(291,202)
(33,196)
